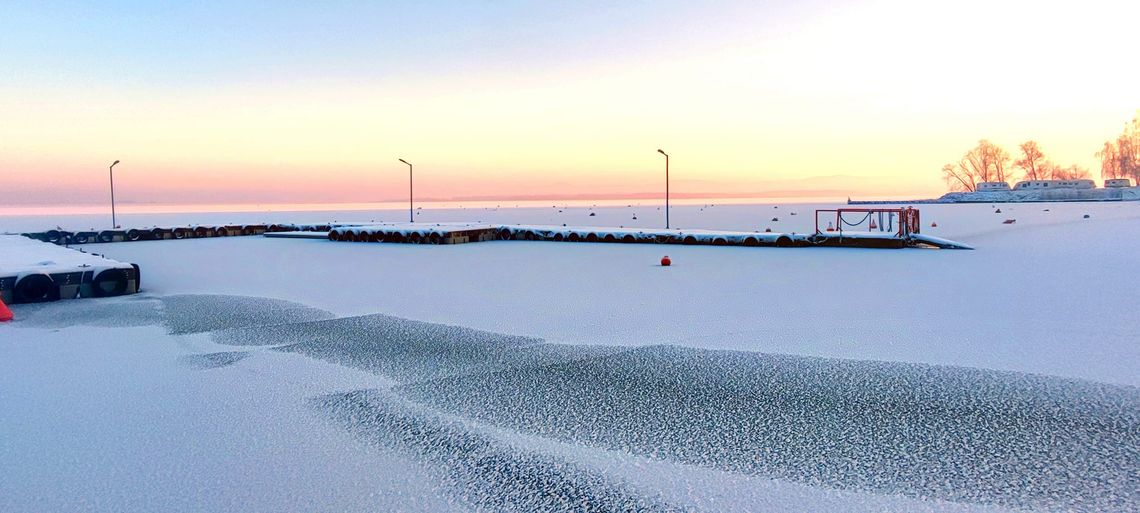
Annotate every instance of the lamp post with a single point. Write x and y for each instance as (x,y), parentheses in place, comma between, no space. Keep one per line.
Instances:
(666,187)
(411,217)
(111,172)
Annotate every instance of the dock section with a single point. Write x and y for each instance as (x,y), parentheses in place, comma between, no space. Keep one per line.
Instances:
(33,271)
(415,233)
(850,228)
(192,231)
(887,228)
(457,233)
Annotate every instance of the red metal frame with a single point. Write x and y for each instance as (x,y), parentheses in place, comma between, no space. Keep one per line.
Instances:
(908,218)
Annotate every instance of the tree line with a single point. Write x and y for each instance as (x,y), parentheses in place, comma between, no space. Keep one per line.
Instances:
(988,162)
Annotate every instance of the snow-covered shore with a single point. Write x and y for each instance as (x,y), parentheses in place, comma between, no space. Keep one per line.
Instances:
(1027,196)
(1038,195)
(176,402)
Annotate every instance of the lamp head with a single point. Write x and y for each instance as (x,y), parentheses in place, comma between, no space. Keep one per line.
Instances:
(115,162)
(662,152)
(404,161)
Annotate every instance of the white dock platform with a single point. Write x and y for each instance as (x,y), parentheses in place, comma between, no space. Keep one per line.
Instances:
(32,271)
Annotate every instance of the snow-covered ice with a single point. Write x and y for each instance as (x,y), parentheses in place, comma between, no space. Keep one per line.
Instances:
(1053,294)
(288,374)
(20,256)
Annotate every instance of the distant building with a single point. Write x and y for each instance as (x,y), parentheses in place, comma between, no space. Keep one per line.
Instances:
(1118,182)
(991,186)
(1054,184)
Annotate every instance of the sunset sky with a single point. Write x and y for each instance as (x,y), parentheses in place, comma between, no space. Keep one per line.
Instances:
(284,101)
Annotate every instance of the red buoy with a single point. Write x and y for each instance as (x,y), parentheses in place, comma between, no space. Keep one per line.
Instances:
(665,262)
(6,314)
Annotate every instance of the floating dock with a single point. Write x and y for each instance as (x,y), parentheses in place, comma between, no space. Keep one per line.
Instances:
(417,233)
(849,227)
(888,228)
(68,237)
(33,271)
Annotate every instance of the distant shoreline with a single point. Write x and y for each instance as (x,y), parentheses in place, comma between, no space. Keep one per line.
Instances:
(1099,195)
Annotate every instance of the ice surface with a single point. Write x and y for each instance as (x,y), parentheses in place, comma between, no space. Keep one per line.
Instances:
(969,436)
(133,310)
(740,379)
(96,419)
(484,473)
(959,434)
(1030,299)
(407,350)
(196,313)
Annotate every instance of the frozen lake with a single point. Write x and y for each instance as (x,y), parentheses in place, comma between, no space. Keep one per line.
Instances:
(529,375)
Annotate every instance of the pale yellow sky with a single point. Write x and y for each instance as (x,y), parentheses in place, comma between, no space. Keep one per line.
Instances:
(881,92)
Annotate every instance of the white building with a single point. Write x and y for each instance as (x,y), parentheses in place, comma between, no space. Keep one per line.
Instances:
(991,186)
(1054,184)
(1118,182)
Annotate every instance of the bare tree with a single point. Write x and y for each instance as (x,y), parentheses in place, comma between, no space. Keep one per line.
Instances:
(1073,172)
(987,162)
(959,177)
(1031,160)
(1109,161)
(1121,158)
(1052,171)
(993,160)
(1079,173)
(1128,145)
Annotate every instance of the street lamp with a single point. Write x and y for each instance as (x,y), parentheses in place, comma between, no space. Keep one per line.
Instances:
(111,172)
(411,217)
(666,187)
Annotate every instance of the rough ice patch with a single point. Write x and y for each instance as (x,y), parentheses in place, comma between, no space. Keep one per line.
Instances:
(194,313)
(407,350)
(212,360)
(959,434)
(482,472)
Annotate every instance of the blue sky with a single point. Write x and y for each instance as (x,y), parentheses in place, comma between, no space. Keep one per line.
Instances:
(217,42)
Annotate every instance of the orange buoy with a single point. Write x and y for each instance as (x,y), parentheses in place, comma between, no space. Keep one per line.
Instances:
(665,262)
(830,228)
(5,313)
(873,225)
